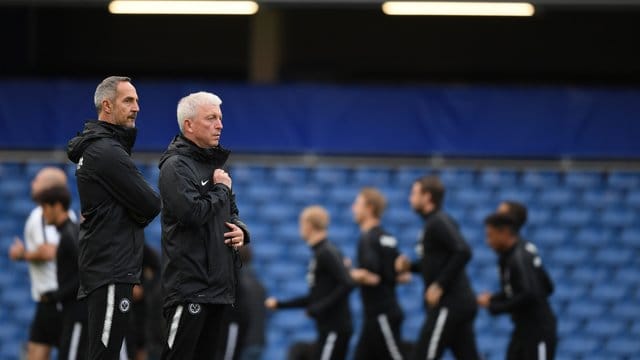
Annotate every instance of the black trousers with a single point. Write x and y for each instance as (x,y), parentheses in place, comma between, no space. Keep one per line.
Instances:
(531,347)
(380,338)
(45,327)
(109,317)
(193,331)
(447,329)
(332,345)
(73,339)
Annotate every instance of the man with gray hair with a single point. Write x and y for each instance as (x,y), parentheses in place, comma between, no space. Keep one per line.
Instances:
(117,203)
(201,231)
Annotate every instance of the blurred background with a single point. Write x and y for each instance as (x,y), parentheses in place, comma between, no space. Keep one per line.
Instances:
(321,98)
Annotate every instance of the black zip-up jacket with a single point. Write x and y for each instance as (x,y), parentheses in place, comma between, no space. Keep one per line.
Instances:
(197,266)
(66,265)
(330,285)
(377,252)
(525,289)
(445,254)
(117,203)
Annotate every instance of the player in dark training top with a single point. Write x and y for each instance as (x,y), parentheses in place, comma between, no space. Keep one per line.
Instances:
(376,275)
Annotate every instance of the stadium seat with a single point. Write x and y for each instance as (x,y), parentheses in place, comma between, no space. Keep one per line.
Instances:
(550,236)
(304,194)
(613,257)
(627,310)
(623,347)
(290,175)
(518,193)
(264,193)
(343,196)
(405,176)
(540,179)
(633,199)
(593,236)
(567,291)
(331,175)
(620,217)
(583,179)
(631,237)
(588,275)
(606,328)
(538,216)
(371,176)
(557,197)
(575,347)
(472,196)
(246,173)
(585,309)
(600,198)
(457,177)
(625,180)
(574,217)
(400,215)
(628,276)
(498,178)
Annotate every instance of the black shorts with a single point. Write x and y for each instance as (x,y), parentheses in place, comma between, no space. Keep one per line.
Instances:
(46,325)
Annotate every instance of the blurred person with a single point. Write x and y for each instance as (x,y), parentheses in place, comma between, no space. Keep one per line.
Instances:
(117,204)
(245,323)
(449,298)
(73,337)
(376,276)
(518,212)
(525,291)
(201,231)
(329,283)
(39,251)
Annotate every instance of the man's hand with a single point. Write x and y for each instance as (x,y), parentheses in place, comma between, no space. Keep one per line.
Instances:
(16,251)
(271,303)
(433,295)
(138,293)
(358,275)
(403,278)
(402,264)
(221,177)
(47,251)
(484,300)
(235,237)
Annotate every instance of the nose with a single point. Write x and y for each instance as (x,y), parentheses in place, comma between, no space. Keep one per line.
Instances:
(218,125)
(136,106)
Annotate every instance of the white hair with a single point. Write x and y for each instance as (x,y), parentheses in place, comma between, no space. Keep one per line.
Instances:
(188,105)
(107,90)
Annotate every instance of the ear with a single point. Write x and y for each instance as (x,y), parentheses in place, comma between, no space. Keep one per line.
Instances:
(106,106)
(187,126)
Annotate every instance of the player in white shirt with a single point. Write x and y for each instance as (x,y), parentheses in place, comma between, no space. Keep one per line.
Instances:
(39,250)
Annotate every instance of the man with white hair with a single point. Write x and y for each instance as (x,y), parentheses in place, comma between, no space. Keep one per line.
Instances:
(117,203)
(201,231)
(39,251)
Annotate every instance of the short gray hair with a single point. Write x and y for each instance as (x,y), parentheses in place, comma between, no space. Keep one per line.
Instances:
(107,90)
(188,105)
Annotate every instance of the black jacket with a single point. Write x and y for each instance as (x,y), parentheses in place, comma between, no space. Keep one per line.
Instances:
(66,265)
(117,203)
(525,289)
(330,285)
(445,254)
(377,253)
(197,266)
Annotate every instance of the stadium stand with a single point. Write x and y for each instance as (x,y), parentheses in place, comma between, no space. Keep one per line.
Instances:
(584,223)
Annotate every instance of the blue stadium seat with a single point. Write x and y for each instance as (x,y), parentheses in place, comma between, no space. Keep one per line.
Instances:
(627,310)
(615,216)
(479,213)
(517,193)
(278,212)
(574,217)
(557,197)
(472,196)
(247,173)
(567,326)
(12,188)
(538,216)
(10,170)
(405,176)
(498,177)
(575,347)
(604,328)
(623,180)
(594,236)
(633,199)
(262,193)
(589,274)
(290,175)
(400,215)
(600,198)
(540,179)
(583,179)
(567,291)
(585,309)
(625,347)
(628,276)
(457,177)
(396,195)
(343,195)
(305,194)
(550,236)
(613,257)
(631,237)
(331,175)
(372,176)
(569,257)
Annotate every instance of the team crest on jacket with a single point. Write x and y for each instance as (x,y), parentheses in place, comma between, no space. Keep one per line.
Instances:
(194,308)
(125,305)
